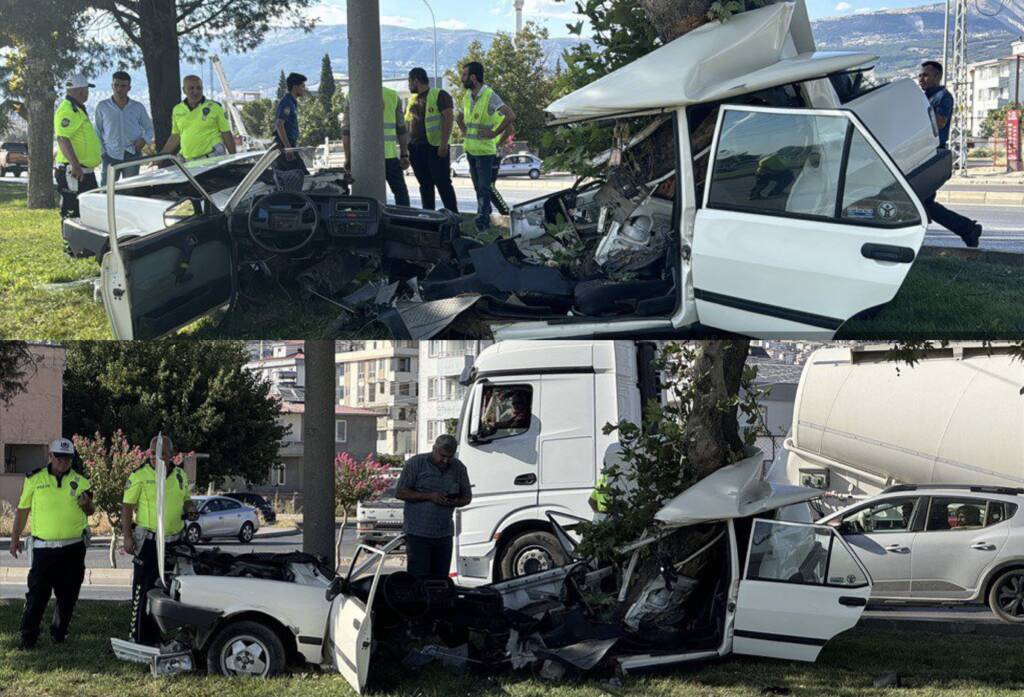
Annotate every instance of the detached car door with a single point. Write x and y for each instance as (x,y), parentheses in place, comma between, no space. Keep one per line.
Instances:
(806,221)
(157,283)
(351,620)
(802,586)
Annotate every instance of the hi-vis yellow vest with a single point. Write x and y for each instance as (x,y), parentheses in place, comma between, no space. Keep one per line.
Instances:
(477,118)
(431,116)
(390,125)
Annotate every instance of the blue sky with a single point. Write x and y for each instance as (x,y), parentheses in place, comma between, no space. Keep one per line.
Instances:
(494,15)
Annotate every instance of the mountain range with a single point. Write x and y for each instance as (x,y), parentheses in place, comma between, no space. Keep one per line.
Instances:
(902,38)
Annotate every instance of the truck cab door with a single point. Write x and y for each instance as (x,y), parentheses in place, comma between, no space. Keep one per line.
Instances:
(500,450)
(806,221)
(350,628)
(154,284)
(802,586)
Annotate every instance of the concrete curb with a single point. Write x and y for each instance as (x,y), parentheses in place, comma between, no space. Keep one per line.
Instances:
(977,255)
(1010,199)
(262,533)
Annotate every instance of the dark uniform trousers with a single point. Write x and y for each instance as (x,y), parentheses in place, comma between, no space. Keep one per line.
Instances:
(69,198)
(59,571)
(145,574)
(432,171)
(396,180)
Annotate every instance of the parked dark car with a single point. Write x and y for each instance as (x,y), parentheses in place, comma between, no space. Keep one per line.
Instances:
(265,508)
(13,158)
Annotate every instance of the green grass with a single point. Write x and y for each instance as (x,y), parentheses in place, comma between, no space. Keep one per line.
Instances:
(941,298)
(946,297)
(953,665)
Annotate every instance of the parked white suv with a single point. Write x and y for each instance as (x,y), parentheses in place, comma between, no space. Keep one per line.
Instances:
(944,544)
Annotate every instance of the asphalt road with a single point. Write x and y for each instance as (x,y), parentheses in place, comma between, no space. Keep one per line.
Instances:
(1003,228)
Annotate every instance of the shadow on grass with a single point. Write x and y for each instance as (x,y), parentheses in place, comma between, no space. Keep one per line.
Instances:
(12,194)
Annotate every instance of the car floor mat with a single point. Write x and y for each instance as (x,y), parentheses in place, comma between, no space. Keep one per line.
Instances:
(502,267)
(604,297)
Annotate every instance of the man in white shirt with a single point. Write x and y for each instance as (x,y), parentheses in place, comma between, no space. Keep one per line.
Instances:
(124,128)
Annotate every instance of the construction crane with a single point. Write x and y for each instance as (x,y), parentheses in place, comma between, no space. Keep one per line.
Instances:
(234,113)
(959,81)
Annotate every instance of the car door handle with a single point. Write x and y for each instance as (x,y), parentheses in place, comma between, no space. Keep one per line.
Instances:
(983,546)
(896,548)
(525,480)
(888,252)
(852,601)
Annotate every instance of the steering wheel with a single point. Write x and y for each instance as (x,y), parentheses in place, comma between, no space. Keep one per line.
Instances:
(277,219)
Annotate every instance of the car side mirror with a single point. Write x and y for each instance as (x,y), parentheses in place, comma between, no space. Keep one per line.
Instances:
(846,528)
(184,209)
(339,586)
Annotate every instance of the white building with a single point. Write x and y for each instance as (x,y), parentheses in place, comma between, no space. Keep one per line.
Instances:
(995,83)
(440,365)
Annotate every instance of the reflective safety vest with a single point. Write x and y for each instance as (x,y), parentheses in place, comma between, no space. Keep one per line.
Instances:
(71,121)
(55,513)
(598,497)
(141,493)
(390,125)
(431,116)
(477,118)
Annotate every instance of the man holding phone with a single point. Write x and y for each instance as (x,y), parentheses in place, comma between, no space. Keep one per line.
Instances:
(432,485)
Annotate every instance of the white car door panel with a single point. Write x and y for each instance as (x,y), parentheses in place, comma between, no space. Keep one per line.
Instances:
(802,586)
(888,558)
(806,222)
(350,633)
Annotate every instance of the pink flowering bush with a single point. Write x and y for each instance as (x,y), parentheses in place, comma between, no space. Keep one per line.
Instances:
(108,466)
(358,480)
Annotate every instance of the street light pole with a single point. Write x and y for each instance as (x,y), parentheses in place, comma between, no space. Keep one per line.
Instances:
(433,19)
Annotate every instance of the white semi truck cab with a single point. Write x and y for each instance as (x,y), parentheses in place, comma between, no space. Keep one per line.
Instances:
(531,435)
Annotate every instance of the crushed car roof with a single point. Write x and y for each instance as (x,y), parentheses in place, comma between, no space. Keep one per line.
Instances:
(736,491)
(753,50)
(172,175)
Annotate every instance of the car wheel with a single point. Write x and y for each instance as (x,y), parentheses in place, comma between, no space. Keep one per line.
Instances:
(531,553)
(246,533)
(194,534)
(1006,597)
(454,174)
(534,174)
(246,649)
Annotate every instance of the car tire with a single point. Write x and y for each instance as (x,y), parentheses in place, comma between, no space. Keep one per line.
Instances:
(534,174)
(245,649)
(246,533)
(194,534)
(531,553)
(1006,597)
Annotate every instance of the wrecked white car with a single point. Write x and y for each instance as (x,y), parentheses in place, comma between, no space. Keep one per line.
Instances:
(754,186)
(758,586)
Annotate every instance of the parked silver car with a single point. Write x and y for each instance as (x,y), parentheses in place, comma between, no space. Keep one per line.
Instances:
(941,544)
(520,164)
(220,516)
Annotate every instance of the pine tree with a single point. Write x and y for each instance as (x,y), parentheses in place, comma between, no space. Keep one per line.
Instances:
(282,86)
(327,85)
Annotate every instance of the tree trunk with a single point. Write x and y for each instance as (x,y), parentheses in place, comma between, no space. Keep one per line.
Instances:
(318,450)
(161,53)
(712,432)
(39,106)
(673,18)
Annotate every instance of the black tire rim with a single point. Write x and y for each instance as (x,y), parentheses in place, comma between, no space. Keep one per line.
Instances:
(1010,597)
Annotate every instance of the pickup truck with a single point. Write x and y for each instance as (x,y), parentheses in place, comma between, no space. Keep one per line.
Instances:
(13,158)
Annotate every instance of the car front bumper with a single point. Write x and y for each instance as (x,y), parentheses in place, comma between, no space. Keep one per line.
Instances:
(173,616)
(82,242)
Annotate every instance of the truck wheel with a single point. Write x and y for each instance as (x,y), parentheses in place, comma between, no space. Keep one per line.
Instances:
(246,533)
(1006,597)
(531,553)
(246,649)
(194,534)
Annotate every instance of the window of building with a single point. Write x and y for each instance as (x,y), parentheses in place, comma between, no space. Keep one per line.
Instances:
(432,389)
(382,436)
(404,389)
(341,431)
(403,365)
(279,474)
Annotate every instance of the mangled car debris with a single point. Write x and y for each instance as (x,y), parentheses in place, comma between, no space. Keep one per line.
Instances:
(754,186)
(755,586)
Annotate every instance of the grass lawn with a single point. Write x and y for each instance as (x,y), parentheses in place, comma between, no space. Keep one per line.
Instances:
(942,297)
(930,664)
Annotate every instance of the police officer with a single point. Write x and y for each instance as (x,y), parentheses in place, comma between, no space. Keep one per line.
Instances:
(199,125)
(78,147)
(396,145)
(58,501)
(139,505)
(286,125)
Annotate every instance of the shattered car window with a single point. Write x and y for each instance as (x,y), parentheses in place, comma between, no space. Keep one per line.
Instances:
(788,553)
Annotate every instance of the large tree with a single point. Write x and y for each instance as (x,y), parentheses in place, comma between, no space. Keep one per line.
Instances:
(48,40)
(17,364)
(515,66)
(195,391)
(327,88)
(161,33)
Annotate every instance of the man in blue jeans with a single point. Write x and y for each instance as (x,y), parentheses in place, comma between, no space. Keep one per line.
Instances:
(432,485)
(124,128)
(482,124)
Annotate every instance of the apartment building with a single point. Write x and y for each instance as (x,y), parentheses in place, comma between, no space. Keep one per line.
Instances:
(440,365)
(995,83)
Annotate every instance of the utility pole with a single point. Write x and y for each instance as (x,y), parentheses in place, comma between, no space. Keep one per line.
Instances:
(366,111)
(963,92)
(318,449)
(519,15)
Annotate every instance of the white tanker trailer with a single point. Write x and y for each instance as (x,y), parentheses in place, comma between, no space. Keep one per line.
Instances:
(863,421)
